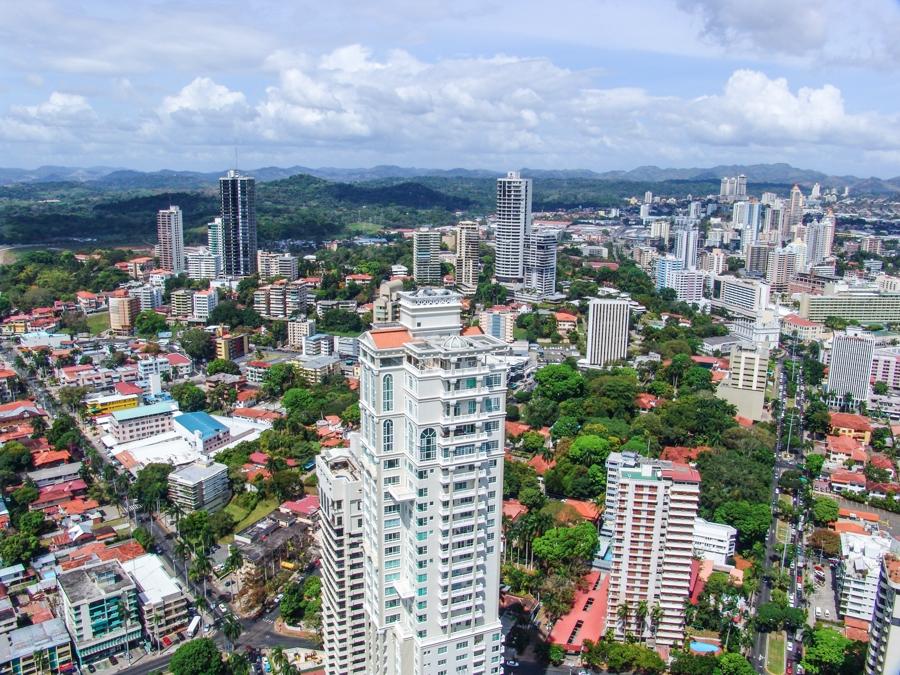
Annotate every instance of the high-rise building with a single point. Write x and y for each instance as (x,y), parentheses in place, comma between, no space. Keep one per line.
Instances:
(688,285)
(428,463)
(512,226)
(427,257)
(386,307)
(607,331)
(694,210)
(648,197)
(170,235)
(739,296)
(665,268)
(883,655)
(757,258)
(214,237)
(816,191)
(659,229)
(499,321)
(467,257)
(781,268)
(686,247)
(122,311)
(819,240)
(794,209)
(203,264)
(850,366)
(238,198)
(271,264)
(149,296)
(201,485)
(733,187)
(540,264)
(651,514)
(871,244)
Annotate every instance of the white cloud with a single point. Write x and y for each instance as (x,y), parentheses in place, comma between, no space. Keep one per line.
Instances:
(202,95)
(57,118)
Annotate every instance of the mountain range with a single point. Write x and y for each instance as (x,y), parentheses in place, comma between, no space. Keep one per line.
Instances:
(102,177)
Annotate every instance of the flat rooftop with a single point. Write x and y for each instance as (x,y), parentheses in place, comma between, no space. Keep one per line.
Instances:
(154,583)
(24,642)
(160,408)
(94,583)
(197,472)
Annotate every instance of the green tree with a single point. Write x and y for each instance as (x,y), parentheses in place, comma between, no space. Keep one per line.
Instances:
(686,663)
(279,379)
(197,343)
(734,664)
(200,656)
(565,427)
(824,510)
(533,442)
(540,412)
(222,366)
(814,464)
(149,323)
(18,548)
(588,449)
(32,523)
(150,488)
(752,521)
(189,396)
(559,382)
(142,536)
(826,653)
(827,541)
(562,547)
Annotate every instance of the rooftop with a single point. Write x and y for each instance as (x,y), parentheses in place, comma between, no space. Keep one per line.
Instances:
(154,583)
(24,642)
(144,411)
(95,582)
(850,421)
(55,472)
(201,422)
(197,472)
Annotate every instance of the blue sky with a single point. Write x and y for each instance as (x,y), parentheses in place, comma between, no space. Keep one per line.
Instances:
(597,84)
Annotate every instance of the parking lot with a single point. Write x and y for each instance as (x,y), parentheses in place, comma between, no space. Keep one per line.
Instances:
(823,596)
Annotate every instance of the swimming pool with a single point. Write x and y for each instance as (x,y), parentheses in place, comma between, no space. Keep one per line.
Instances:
(703,647)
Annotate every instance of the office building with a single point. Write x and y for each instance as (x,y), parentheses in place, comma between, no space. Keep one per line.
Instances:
(468,263)
(883,655)
(99,604)
(688,285)
(747,297)
(540,265)
(745,386)
(607,331)
(512,227)
(794,211)
(201,485)
(850,366)
(340,538)
(238,235)
(162,605)
(427,257)
(170,235)
(271,265)
(133,424)
(40,649)
(686,247)
(123,309)
(665,269)
(714,541)
(202,264)
(298,329)
(429,458)
(214,237)
(858,573)
(864,304)
(652,518)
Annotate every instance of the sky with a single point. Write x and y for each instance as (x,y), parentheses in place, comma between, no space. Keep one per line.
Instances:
(577,84)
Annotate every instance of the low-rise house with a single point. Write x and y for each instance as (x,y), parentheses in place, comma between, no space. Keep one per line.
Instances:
(587,618)
(210,434)
(855,426)
(141,422)
(55,475)
(844,451)
(304,510)
(54,495)
(42,648)
(847,481)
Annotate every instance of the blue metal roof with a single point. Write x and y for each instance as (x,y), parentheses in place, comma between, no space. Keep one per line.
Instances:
(202,422)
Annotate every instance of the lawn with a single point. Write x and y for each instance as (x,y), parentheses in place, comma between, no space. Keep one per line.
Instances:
(775,654)
(363,228)
(781,531)
(243,518)
(97,323)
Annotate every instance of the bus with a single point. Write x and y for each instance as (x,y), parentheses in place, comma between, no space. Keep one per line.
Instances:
(193,626)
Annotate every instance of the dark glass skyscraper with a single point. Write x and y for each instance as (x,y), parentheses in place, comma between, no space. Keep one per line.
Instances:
(238,196)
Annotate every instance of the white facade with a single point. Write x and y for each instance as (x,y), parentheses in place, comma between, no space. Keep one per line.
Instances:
(858,572)
(467,257)
(749,367)
(512,226)
(427,257)
(714,541)
(607,331)
(149,296)
(819,240)
(299,329)
(170,234)
(850,366)
(203,264)
(430,458)
(540,264)
(747,297)
(688,285)
(204,303)
(500,322)
(272,264)
(665,268)
(686,247)
(651,517)
(883,657)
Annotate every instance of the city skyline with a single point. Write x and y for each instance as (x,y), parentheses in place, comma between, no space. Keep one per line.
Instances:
(440,86)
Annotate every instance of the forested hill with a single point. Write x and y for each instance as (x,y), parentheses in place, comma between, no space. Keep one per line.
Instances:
(301,206)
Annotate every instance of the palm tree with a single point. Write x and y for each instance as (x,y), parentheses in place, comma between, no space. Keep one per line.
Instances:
(125,611)
(622,613)
(183,551)
(641,612)
(200,569)
(279,660)
(656,615)
(235,562)
(41,660)
(238,664)
(232,629)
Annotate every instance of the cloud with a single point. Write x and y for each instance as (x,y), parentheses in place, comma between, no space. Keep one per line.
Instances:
(836,32)
(57,118)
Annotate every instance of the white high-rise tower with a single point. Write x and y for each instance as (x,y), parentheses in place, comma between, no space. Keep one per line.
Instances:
(686,247)
(426,257)
(513,225)
(429,463)
(607,331)
(467,257)
(170,234)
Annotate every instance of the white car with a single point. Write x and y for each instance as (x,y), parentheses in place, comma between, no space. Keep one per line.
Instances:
(790,647)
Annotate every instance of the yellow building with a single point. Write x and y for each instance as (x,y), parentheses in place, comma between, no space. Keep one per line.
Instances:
(231,346)
(103,405)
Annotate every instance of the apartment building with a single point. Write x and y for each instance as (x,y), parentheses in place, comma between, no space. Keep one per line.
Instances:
(652,518)
(512,226)
(429,455)
(714,541)
(203,303)
(468,263)
(747,297)
(427,257)
(864,304)
(273,264)
(122,311)
(498,321)
(883,656)
(201,485)
(745,386)
(281,300)
(343,571)
(231,346)
(99,604)
(299,329)
(133,424)
(386,307)
(42,649)
(181,303)
(202,264)
(607,331)
(162,605)
(858,573)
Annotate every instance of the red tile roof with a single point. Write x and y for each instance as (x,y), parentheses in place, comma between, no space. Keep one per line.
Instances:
(259,458)
(472,330)
(849,477)
(850,421)
(682,473)
(257,414)
(513,508)
(646,401)
(390,338)
(861,515)
(587,510)
(516,428)
(540,465)
(127,388)
(849,526)
(880,461)
(307,506)
(682,454)
(588,614)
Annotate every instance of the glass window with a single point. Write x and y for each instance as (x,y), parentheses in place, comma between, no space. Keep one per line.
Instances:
(387,437)
(387,393)
(427,444)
